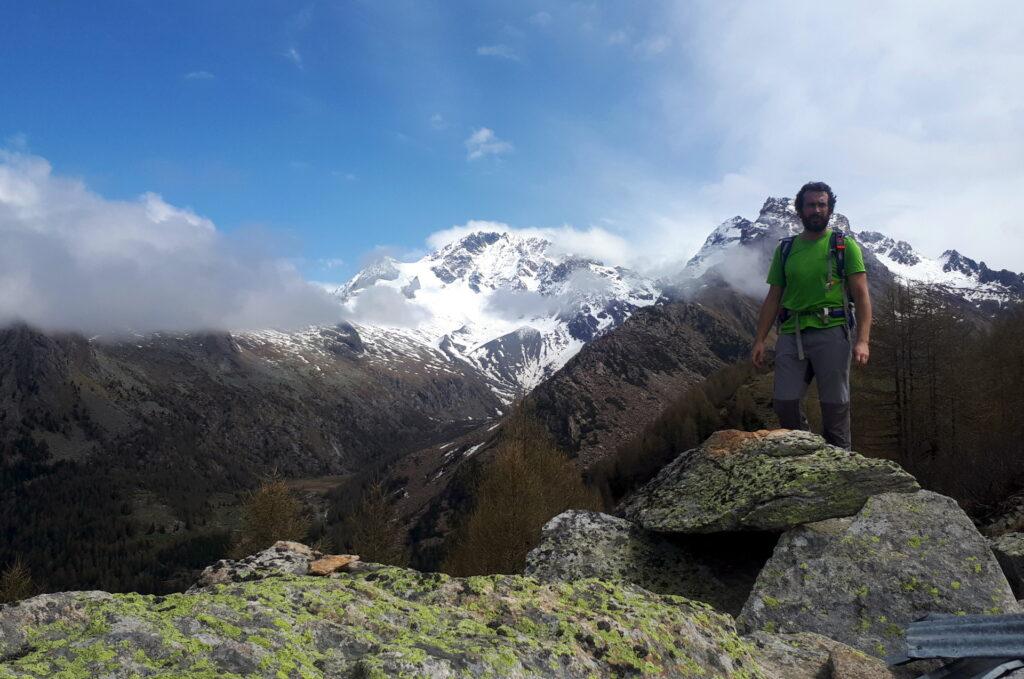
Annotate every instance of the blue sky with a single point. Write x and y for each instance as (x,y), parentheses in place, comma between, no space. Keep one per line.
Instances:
(343,124)
(322,132)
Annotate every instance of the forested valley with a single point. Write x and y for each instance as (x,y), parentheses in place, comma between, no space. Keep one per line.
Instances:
(940,396)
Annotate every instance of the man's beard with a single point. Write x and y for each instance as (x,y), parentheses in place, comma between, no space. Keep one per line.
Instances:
(815,223)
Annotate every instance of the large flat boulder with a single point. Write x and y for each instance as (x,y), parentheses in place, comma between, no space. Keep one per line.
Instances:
(385,622)
(581,544)
(765,480)
(861,579)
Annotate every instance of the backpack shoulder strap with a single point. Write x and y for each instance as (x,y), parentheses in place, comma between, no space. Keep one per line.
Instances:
(837,249)
(785,245)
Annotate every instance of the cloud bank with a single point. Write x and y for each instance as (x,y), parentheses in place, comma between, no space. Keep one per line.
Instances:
(381,305)
(907,112)
(74,261)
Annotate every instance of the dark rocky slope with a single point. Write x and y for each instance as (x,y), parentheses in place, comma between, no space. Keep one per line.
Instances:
(108,446)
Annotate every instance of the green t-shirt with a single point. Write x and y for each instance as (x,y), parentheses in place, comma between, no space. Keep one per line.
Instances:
(806,280)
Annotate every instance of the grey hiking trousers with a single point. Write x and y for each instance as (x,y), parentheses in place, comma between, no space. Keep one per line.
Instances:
(826,359)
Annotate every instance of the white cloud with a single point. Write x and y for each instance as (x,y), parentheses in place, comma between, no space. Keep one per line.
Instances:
(591,243)
(292,55)
(483,142)
(73,260)
(199,75)
(514,305)
(500,51)
(381,305)
(908,113)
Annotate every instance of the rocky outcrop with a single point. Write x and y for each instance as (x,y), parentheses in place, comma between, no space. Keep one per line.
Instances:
(1009,551)
(379,622)
(766,480)
(282,558)
(580,544)
(881,560)
(601,598)
(861,579)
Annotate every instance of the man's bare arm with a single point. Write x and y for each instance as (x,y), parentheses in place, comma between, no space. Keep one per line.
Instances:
(862,303)
(765,319)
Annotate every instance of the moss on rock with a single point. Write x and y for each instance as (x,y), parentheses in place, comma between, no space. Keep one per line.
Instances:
(762,481)
(380,622)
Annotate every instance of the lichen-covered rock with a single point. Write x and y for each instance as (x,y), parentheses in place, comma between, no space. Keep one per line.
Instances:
(806,655)
(765,480)
(579,544)
(282,557)
(379,623)
(861,579)
(1009,551)
(17,619)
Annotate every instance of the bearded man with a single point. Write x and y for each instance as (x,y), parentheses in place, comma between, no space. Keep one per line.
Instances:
(812,278)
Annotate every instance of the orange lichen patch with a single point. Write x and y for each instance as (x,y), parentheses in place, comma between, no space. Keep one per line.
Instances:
(332,563)
(729,441)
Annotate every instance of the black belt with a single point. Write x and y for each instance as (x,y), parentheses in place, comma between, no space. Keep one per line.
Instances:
(823,314)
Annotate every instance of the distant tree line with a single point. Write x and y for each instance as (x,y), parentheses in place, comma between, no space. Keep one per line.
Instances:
(941,395)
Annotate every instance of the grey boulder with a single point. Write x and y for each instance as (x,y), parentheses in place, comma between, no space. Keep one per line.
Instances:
(281,558)
(861,579)
(765,480)
(580,544)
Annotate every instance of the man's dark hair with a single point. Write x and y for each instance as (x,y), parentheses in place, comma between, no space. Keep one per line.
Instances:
(815,186)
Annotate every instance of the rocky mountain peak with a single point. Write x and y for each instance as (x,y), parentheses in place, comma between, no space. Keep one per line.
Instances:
(883,246)
(954,261)
(492,259)
(477,295)
(778,206)
(383,269)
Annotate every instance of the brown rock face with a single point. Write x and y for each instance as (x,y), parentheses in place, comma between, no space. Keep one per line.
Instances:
(332,563)
(847,663)
(730,441)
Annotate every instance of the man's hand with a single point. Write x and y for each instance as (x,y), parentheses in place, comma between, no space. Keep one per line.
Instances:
(861,352)
(757,354)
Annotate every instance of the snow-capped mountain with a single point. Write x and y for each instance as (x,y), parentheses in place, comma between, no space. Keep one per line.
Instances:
(970,279)
(738,237)
(778,219)
(512,307)
(511,310)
